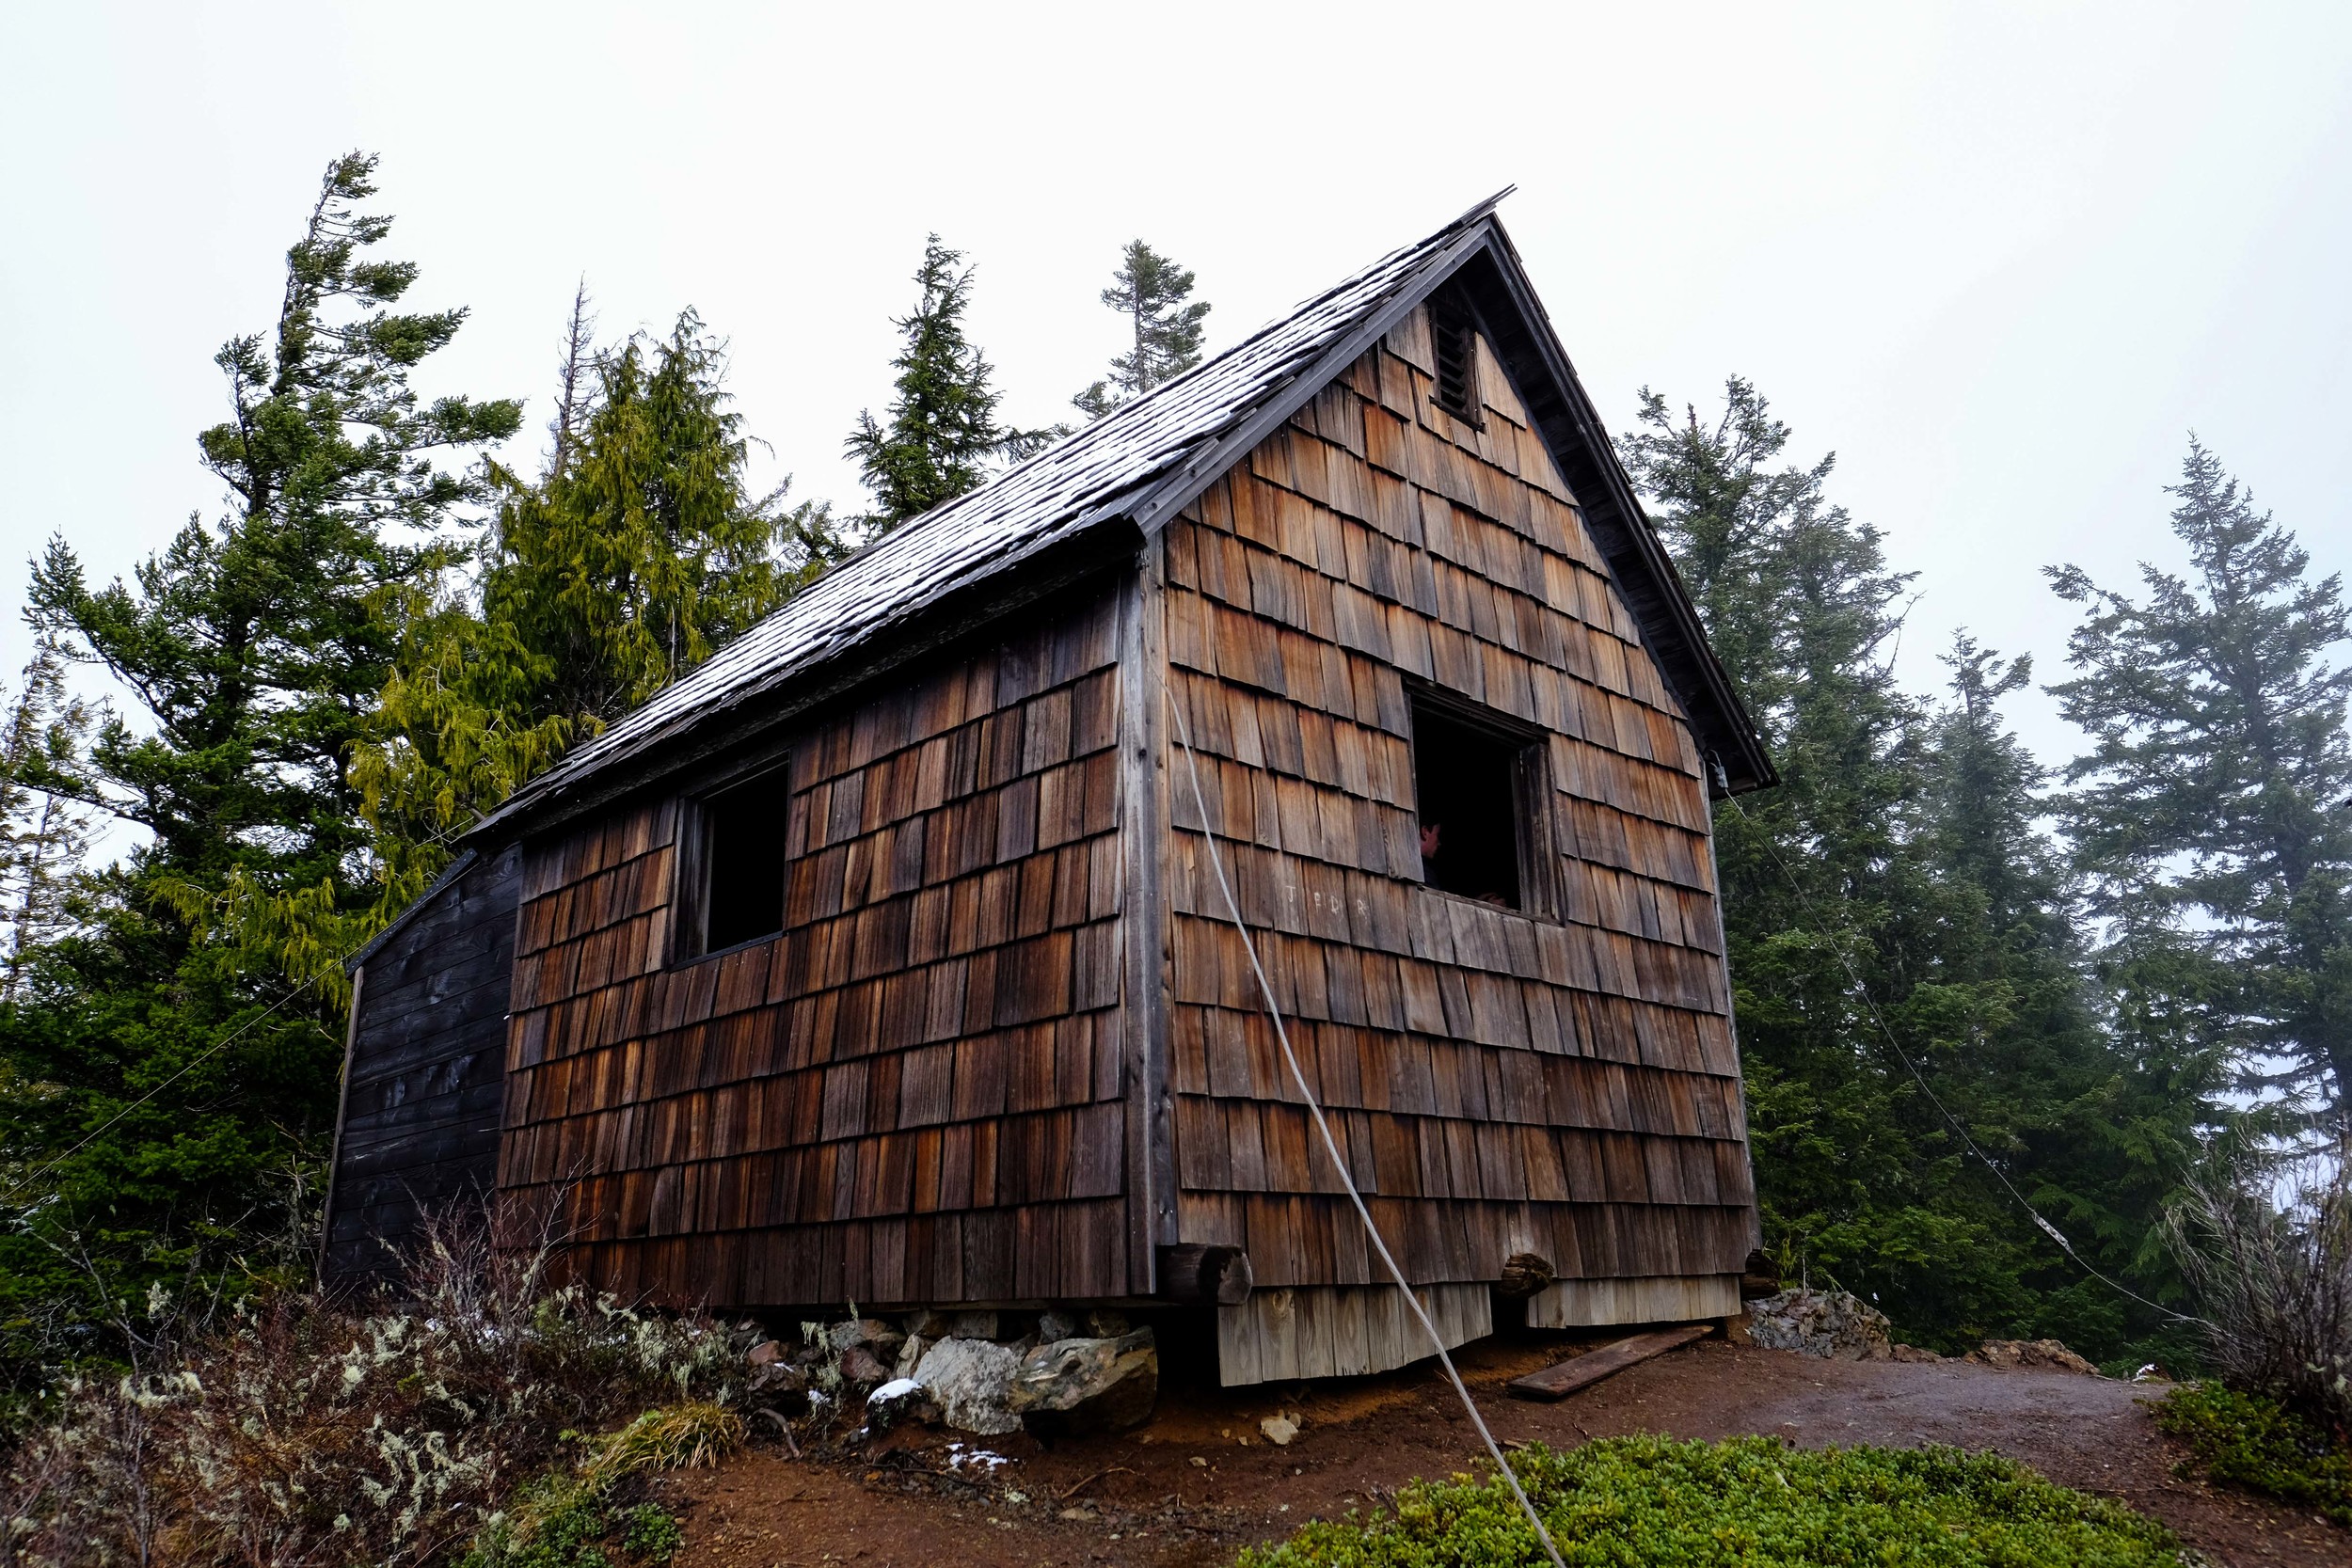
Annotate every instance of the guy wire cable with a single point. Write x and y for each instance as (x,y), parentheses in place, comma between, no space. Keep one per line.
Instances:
(1330,1145)
(1903,1056)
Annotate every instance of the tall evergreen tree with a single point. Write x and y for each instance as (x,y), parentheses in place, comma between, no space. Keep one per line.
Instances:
(2093,1129)
(168,1091)
(639,553)
(1155,296)
(44,832)
(2214,811)
(256,645)
(1898,928)
(942,432)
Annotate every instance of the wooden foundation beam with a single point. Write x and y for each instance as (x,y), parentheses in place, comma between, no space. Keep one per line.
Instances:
(1190,1272)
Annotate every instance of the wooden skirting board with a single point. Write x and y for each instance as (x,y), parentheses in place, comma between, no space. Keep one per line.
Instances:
(1652,1299)
(1344,1331)
(1581,1371)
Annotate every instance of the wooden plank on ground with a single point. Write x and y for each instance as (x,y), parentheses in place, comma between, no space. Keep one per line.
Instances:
(1581,1371)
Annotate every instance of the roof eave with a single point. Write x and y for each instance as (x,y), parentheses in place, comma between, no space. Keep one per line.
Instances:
(1101,541)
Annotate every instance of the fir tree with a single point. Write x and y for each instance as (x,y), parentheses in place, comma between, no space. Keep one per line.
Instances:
(1890,907)
(942,432)
(44,832)
(255,646)
(2214,811)
(639,554)
(171,1082)
(1151,292)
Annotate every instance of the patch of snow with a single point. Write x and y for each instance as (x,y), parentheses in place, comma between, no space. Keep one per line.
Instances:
(978,1459)
(892,1389)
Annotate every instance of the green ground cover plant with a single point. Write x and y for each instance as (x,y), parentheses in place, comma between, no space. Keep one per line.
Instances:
(1628,1501)
(2259,1443)
(593,1515)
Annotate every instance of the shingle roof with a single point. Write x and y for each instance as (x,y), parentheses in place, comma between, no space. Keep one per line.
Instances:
(1152,456)
(1094,476)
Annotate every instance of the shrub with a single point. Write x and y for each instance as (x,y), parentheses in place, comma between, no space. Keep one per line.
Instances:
(2274,1280)
(2259,1443)
(565,1520)
(1625,1502)
(316,1431)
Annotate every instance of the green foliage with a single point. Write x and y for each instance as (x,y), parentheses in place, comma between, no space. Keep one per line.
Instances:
(639,553)
(328,696)
(256,645)
(2214,809)
(1899,873)
(942,432)
(168,1063)
(1622,1501)
(1155,296)
(301,1428)
(2256,1443)
(44,832)
(574,1527)
(566,1519)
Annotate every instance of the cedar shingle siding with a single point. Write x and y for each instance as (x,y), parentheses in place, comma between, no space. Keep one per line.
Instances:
(1499,1082)
(1007,1045)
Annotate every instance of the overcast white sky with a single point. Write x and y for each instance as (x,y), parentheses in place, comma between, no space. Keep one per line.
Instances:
(2000,258)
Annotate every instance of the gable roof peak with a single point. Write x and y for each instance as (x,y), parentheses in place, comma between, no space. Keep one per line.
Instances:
(1133,468)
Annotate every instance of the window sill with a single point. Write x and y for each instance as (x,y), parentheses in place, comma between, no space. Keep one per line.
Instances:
(745,945)
(1537,916)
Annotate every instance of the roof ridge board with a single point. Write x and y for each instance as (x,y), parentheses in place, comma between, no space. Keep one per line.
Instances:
(1181,489)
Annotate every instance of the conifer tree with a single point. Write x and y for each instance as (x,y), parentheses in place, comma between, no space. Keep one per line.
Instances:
(44,832)
(942,432)
(639,554)
(184,1065)
(1155,296)
(255,645)
(1890,907)
(2213,813)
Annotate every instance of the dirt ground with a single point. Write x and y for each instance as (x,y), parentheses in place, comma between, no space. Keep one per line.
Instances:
(1199,1482)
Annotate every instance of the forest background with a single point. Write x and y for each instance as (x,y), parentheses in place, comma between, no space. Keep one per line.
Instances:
(2096,973)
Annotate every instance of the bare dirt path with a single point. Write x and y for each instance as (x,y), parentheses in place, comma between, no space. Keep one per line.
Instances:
(1200,1481)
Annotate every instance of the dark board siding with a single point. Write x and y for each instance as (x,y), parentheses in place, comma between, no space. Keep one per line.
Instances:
(426,1076)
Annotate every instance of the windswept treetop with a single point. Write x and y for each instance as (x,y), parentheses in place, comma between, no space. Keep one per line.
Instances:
(254,643)
(1151,292)
(2214,809)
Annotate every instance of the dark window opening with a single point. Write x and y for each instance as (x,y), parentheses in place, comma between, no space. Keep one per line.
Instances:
(1454,342)
(742,863)
(1468,790)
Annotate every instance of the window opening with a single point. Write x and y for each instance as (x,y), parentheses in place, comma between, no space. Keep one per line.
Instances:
(742,863)
(1454,342)
(1466,787)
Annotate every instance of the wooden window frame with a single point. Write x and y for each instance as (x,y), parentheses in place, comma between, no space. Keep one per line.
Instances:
(689,892)
(1531,794)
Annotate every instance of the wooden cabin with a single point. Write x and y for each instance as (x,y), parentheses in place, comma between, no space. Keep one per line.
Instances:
(880,960)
